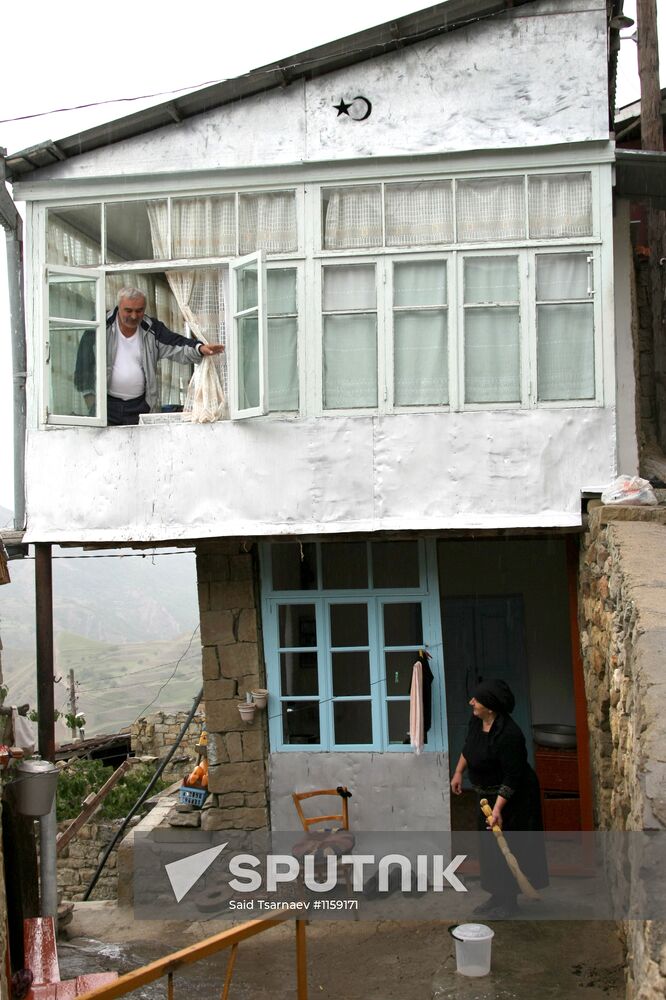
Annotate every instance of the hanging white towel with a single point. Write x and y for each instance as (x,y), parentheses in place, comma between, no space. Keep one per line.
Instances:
(416,708)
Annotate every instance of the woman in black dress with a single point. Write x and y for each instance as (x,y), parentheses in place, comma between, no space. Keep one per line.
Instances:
(495,756)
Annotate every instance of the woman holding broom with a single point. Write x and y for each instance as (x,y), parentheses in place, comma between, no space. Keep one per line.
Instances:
(495,755)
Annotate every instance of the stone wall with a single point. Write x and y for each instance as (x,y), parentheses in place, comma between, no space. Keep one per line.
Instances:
(78,861)
(154,736)
(232,665)
(623,640)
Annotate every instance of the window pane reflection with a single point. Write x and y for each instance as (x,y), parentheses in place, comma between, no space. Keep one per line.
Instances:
(349,625)
(395,564)
(344,565)
(298,672)
(351,673)
(300,722)
(402,625)
(398,721)
(298,625)
(399,671)
(294,566)
(352,722)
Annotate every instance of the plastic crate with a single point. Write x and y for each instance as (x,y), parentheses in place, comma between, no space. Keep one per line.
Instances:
(191,796)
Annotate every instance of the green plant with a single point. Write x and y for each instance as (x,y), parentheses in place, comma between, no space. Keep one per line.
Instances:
(75,721)
(82,778)
(33,715)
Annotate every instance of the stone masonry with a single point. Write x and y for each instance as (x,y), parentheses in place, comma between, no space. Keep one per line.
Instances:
(232,665)
(623,640)
(155,735)
(79,859)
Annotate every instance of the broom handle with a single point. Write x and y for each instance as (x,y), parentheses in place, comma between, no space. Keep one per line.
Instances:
(525,885)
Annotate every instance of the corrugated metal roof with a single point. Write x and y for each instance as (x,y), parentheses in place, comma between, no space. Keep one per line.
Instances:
(362,45)
(640,175)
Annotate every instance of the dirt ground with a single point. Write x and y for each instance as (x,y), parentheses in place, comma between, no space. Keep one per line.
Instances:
(357,960)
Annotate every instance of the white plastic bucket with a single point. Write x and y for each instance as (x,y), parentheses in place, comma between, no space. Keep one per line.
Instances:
(473,947)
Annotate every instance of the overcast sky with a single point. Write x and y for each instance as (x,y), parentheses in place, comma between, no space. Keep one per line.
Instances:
(57,56)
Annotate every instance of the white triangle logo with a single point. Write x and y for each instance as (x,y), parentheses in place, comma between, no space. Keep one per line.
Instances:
(185,873)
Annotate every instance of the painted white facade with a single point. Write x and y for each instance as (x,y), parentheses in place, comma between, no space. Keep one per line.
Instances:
(526,91)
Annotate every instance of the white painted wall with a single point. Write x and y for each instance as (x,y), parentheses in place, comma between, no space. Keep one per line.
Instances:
(416,471)
(534,77)
(625,321)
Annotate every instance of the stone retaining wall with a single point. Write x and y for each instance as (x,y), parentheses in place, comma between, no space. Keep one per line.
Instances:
(623,640)
(154,736)
(232,666)
(78,861)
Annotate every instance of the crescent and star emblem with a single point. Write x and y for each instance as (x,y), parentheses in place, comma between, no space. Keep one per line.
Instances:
(358,109)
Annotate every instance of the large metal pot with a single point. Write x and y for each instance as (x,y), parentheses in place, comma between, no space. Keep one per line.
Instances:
(35,786)
(559,737)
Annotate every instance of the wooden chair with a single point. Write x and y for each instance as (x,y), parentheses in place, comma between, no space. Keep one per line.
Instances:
(334,837)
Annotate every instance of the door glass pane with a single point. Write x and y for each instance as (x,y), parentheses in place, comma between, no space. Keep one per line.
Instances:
(247,285)
(419,213)
(248,362)
(399,671)
(560,205)
(298,625)
(395,564)
(344,565)
(136,230)
(294,566)
(351,673)
(352,721)
(422,284)
(562,276)
(203,227)
(348,287)
(565,351)
(349,625)
(72,298)
(492,355)
(72,372)
(403,625)
(350,362)
(300,722)
(490,209)
(420,357)
(74,235)
(298,673)
(398,721)
(490,280)
(352,217)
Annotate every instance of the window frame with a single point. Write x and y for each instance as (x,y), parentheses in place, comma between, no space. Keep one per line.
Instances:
(98,324)
(426,594)
(236,411)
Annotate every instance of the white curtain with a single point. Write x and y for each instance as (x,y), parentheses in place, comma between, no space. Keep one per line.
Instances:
(565,330)
(68,245)
(353,217)
(420,344)
(282,339)
(560,205)
(200,297)
(350,339)
(419,213)
(492,209)
(268,222)
(202,227)
(492,330)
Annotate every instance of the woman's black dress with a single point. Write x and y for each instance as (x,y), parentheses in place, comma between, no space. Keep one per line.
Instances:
(497,764)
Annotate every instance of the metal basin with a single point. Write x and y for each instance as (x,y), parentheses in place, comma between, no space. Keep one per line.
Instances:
(558,736)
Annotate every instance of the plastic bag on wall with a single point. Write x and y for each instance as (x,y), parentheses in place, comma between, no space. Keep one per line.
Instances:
(629,490)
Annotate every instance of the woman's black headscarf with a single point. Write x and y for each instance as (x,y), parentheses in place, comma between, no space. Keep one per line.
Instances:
(495,695)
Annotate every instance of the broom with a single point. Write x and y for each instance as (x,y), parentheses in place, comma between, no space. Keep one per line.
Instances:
(525,885)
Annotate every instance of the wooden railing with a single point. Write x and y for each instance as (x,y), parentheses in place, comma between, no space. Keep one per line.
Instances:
(232,938)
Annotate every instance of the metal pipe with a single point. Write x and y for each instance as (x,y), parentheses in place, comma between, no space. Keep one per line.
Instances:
(13,226)
(44,644)
(48,872)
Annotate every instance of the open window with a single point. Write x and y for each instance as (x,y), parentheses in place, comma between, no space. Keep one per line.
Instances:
(248,347)
(75,347)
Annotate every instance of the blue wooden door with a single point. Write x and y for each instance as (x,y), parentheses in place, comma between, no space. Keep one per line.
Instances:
(483,640)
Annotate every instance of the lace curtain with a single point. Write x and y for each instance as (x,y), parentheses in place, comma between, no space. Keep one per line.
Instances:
(353,217)
(490,209)
(565,330)
(560,205)
(200,298)
(492,330)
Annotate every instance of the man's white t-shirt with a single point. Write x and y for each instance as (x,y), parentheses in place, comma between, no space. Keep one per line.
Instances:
(127,376)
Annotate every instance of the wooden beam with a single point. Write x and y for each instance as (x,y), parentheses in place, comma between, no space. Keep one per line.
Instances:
(90,806)
(301,961)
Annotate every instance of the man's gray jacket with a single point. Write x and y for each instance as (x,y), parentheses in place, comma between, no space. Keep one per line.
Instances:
(157,341)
